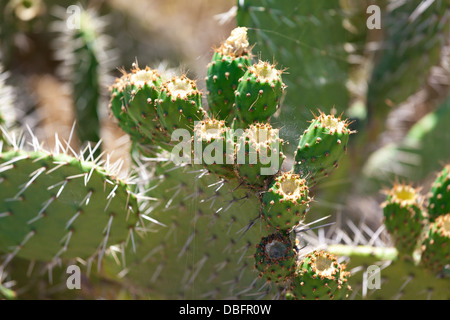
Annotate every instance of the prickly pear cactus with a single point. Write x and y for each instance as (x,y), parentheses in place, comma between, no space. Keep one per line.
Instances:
(216,203)
(52,202)
(439,197)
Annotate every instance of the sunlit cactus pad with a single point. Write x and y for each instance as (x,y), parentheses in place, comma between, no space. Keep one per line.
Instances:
(56,206)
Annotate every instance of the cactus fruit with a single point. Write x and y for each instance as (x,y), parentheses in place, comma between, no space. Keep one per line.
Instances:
(275,258)
(321,146)
(404,217)
(228,65)
(141,94)
(118,107)
(214,147)
(258,94)
(319,276)
(259,155)
(436,245)
(179,104)
(286,201)
(56,206)
(439,197)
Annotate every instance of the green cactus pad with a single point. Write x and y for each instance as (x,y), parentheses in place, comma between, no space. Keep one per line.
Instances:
(258,95)
(275,258)
(436,245)
(55,206)
(439,198)
(214,147)
(259,147)
(179,104)
(229,63)
(286,201)
(404,217)
(204,249)
(319,276)
(321,146)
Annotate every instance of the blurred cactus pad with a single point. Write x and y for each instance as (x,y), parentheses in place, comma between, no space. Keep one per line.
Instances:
(271,149)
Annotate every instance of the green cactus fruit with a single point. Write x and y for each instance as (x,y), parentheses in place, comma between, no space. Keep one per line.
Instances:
(275,258)
(179,104)
(439,197)
(404,217)
(258,94)
(321,146)
(55,206)
(214,147)
(141,94)
(118,108)
(319,276)
(228,65)
(259,155)
(436,245)
(286,201)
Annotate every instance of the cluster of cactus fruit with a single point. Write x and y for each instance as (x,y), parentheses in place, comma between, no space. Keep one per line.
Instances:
(233,139)
(215,204)
(421,223)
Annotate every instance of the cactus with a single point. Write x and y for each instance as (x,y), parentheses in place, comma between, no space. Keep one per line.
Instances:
(255,152)
(286,202)
(404,217)
(214,147)
(227,66)
(275,258)
(55,206)
(258,94)
(321,146)
(439,197)
(320,276)
(223,229)
(436,252)
(179,104)
(7,116)
(83,50)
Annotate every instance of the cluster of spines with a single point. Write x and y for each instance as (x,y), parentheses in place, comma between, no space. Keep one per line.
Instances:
(319,276)
(321,146)
(404,217)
